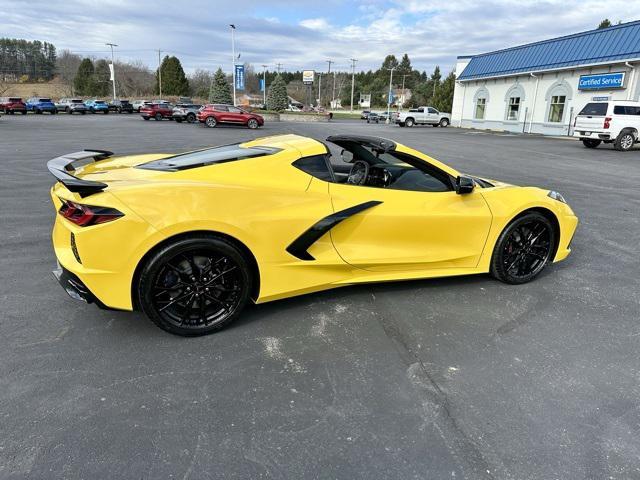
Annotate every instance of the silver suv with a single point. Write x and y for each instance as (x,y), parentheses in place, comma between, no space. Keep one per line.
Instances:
(71,106)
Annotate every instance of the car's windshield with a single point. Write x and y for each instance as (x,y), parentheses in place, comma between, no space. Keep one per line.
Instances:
(76,101)
(45,100)
(596,108)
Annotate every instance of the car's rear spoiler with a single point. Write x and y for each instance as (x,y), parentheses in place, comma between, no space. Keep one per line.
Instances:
(60,167)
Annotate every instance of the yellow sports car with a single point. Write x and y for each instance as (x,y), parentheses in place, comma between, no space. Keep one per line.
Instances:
(190,238)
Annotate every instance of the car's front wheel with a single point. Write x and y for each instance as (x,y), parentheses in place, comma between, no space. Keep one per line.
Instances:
(252,124)
(523,249)
(211,122)
(158,117)
(195,286)
(191,117)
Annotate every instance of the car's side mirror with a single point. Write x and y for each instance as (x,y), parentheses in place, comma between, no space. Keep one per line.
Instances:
(347,156)
(464,184)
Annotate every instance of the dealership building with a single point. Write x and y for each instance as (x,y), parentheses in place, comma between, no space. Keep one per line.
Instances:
(541,86)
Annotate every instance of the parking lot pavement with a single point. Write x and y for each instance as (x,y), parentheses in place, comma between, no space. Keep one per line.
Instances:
(456,378)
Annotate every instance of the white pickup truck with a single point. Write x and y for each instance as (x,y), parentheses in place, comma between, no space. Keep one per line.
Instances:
(616,122)
(423,116)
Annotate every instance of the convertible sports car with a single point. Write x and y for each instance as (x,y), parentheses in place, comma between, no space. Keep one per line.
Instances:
(190,238)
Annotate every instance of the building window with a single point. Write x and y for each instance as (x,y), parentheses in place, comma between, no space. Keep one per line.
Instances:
(513,111)
(481,103)
(556,112)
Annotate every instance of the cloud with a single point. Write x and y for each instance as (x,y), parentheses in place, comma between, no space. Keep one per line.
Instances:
(271,31)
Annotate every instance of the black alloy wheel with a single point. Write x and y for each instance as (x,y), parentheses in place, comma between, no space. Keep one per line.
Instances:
(158,117)
(191,117)
(523,249)
(195,286)
(590,142)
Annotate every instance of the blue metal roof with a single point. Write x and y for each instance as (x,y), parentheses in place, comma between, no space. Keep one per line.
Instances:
(616,43)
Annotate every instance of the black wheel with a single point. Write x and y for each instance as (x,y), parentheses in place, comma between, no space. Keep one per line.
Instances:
(401,124)
(24,112)
(158,117)
(38,112)
(178,120)
(10,112)
(195,286)
(191,117)
(409,122)
(145,118)
(624,142)
(252,124)
(68,110)
(82,112)
(54,112)
(106,112)
(444,122)
(591,143)
(211,122)
(523,249)
(92,110)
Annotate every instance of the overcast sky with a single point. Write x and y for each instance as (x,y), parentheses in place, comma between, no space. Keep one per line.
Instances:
(300,34)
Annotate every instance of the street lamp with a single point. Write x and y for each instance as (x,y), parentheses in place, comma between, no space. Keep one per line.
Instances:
(389,95)
(353,79)
(264,85)
(113,70)
(233,60)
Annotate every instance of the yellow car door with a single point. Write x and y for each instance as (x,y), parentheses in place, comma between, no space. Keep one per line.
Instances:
(409,230)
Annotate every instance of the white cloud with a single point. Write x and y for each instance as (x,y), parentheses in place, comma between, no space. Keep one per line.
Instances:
(315,23)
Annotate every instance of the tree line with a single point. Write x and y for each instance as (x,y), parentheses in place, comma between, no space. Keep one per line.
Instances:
(23,60)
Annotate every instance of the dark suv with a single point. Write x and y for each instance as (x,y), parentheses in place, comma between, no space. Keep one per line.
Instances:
(12,105)
(121,106)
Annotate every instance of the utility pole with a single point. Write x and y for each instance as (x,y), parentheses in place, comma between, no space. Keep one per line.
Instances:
(328,73)
(278,67)
(353,79)
(389,95)
(159,76)
(113,70)
(319,87)
(333,95)
(404,94)
(233,61)
(264,85)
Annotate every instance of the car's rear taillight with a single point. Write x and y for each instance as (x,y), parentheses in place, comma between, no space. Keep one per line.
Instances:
(86,215)
(607,122)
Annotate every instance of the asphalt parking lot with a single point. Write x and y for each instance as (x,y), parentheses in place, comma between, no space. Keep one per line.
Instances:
(457,378)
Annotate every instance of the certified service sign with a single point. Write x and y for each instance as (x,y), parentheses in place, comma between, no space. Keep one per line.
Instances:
(601,81)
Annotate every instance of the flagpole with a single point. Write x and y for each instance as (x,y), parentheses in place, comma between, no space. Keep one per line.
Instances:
(233,63)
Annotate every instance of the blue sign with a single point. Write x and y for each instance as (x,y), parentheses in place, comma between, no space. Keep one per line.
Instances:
(601,81)
(239,77)
(262,84)
(390,97)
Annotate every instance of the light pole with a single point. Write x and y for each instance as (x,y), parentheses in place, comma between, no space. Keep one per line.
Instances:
(404,94)
(159,76)
(319,87)
(113,70)
(264,85)
(353,79)
(233,60)
(389,95)
(328,73)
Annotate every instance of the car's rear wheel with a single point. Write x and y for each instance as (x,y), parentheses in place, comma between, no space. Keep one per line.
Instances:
(195,286)
(252,124)
(444,122)
(409,122)
(178,120)
(523,249)
(158,117)
(106,112)
(191,117)
(54,112)
(591,143)
(145,118)
(211,122)
(24,112)
(624,142)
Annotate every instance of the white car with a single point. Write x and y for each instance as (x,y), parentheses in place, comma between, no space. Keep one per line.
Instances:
(423,116)
(137,104)
(615,121)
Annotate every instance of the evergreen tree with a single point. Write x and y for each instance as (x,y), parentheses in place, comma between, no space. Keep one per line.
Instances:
(220,91)
(277,98)
(390,61)
(606,23)
(404,67)
(443,99)
(101,81)
(174,81)
(83,81)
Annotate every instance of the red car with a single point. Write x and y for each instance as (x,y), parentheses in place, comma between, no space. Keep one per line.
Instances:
(157,111)
(212,115)
(12,105)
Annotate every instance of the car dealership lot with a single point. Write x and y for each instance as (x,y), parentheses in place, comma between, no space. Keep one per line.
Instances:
(461,377)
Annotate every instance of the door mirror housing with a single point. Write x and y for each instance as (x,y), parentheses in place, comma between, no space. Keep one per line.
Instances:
(464,184)
(346,155)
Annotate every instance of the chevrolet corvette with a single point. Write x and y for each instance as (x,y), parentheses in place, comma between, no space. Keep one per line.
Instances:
(190,238)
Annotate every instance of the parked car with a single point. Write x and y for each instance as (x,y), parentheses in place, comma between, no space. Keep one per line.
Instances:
(12,105)
(373,117)
(365,114)
(95,106)
(157,111)
(616,122)
(423,116)
(137,104)
(186,112)
(71,106)
(212,115)
(41,104)
(121,106)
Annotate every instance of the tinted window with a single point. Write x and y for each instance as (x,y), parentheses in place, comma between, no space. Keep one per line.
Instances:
(432,110)
(76,101)
(594,109)
(45,99)
(315,166)
(626,110)
(209,156)
(15,99)
(221,108)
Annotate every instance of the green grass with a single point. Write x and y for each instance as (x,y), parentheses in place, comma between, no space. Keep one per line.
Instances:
(346,115)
